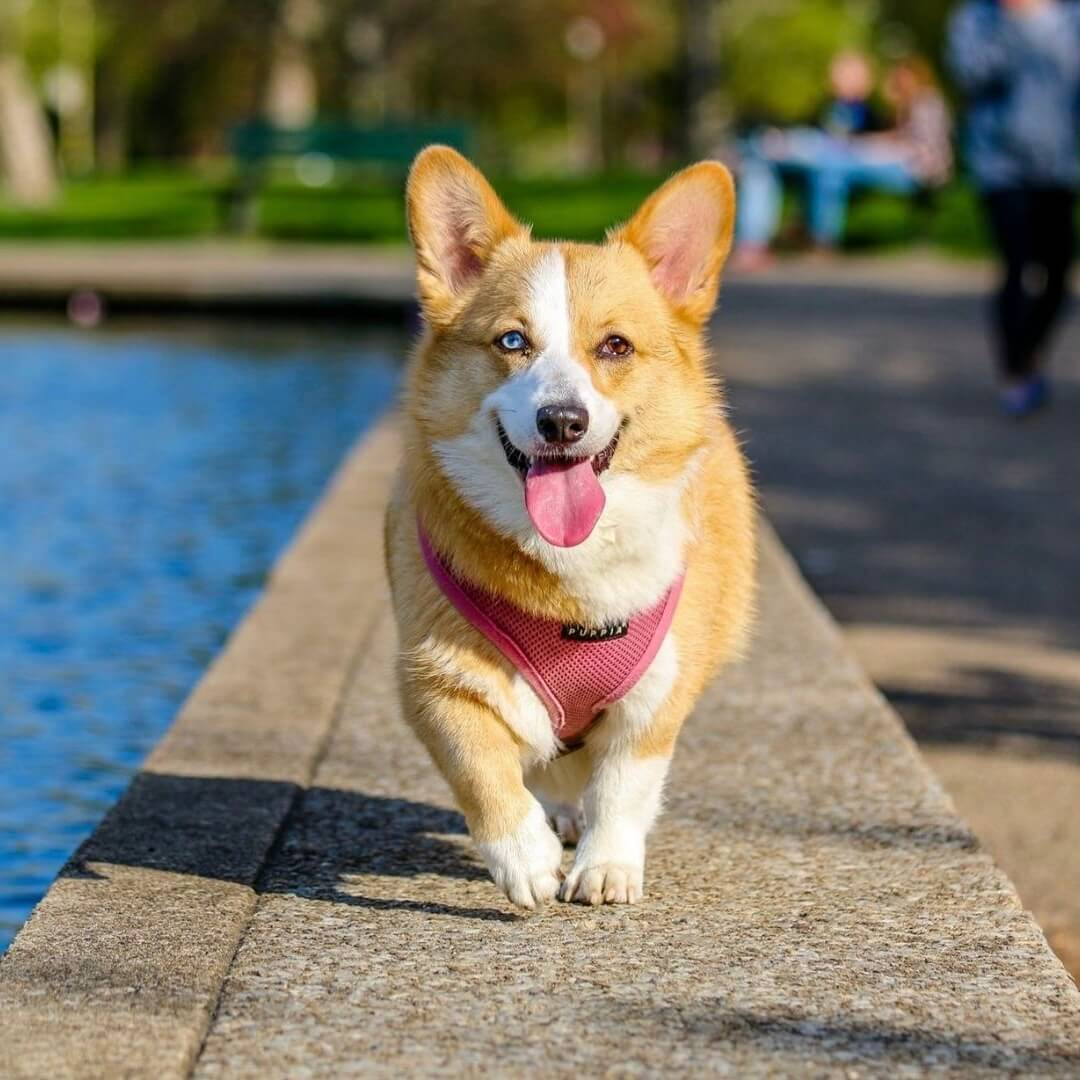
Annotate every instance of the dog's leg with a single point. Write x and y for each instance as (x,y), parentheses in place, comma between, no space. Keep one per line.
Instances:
(559,785)
(629,753)
(481,760)
(621,804)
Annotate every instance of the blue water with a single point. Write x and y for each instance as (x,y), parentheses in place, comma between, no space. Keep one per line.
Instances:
(148,478)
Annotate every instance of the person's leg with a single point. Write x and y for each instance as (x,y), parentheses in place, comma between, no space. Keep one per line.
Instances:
(827,190)
(835,175)
(1052,246)
(1008,211)
(760,202)
(891,176)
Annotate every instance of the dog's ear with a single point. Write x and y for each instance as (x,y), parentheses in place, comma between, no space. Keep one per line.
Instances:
(684,232)
(456,221)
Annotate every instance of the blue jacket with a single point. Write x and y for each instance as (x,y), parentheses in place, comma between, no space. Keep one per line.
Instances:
(1022,78)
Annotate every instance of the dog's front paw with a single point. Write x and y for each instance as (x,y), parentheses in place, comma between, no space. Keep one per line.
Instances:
(604,883)
(526,865)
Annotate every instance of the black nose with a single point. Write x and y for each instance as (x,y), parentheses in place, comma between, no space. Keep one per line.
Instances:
(562,424)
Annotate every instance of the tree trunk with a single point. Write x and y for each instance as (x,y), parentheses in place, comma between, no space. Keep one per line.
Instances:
(76,136)
(695,76)
(26,157)
(292,93)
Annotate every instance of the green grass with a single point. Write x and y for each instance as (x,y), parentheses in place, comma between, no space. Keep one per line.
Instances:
(571,209)
(179,205)
(152,205)
(951,220)
(187,205)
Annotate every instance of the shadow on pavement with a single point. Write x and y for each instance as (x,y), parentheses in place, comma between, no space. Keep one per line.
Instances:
(832,1039)
(986,702)
(223,828)
(907,500)
(335,845)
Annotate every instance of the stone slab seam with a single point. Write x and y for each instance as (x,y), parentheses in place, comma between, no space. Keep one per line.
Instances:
(282,827)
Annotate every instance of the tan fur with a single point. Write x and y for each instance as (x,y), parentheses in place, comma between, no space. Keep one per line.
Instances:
(655,286)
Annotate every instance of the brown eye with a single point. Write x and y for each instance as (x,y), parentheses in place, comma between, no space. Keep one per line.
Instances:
(614,347)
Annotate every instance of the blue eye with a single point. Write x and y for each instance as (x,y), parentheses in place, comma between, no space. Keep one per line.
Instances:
(513,341)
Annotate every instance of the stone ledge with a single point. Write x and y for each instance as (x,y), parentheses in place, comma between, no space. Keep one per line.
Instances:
(208,275)
(214,274)
(286,887)
(119,967)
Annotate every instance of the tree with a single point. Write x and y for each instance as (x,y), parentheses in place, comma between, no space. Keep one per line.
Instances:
(292,91)
(776,55)
(26,153)
(921,22)
(696,63)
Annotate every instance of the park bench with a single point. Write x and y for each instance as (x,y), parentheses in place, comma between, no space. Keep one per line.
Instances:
(317,150)
(286,889)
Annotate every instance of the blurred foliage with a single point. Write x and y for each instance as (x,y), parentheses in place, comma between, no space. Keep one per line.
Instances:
(171,78)
(776,53)
(918,25)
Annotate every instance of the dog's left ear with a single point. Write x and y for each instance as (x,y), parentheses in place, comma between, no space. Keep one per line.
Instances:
(684,232)
(456,222)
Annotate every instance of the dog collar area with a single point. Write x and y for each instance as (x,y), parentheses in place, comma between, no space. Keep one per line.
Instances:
(577,632)
(577,671)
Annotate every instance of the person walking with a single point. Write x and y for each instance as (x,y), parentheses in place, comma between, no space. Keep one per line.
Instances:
(1018,63)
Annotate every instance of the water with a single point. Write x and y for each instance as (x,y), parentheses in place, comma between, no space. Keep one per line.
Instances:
(149,476)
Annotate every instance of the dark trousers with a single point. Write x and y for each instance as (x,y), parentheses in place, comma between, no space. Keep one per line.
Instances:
(1034,231)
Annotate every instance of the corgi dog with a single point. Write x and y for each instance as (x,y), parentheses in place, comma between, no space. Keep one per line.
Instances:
(570,541)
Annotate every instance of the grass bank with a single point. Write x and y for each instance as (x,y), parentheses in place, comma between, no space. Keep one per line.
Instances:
(183,205)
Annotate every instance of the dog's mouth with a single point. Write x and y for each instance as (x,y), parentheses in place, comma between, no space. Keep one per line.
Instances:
(522,462)
(563,496)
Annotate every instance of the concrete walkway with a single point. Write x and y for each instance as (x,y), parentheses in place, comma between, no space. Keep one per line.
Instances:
(941,536)
(287,890)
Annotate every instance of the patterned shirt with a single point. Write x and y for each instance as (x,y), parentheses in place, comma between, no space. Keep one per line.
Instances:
(1022,76)
(926,135)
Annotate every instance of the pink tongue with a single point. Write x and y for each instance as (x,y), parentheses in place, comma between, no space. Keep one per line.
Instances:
(564,500)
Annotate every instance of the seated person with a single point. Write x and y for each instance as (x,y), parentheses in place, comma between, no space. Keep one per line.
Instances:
(915,153)
(850,110)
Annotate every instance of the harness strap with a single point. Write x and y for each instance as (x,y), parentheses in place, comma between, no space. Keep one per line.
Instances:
(577,672)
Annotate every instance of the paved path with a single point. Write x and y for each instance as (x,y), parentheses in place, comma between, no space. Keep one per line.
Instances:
(943,537)
(809,901)
(210,274)
(287,889)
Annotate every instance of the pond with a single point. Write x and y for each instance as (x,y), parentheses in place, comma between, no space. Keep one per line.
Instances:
(150,474)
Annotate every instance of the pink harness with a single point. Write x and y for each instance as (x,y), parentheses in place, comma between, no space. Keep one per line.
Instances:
(576,671)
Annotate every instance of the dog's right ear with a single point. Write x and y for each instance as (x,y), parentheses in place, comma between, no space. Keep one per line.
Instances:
(456,221)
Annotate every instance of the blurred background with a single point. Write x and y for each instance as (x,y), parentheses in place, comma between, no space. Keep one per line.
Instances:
(202,263)
(132,123)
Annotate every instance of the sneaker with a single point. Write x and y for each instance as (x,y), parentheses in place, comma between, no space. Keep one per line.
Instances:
(1024,397)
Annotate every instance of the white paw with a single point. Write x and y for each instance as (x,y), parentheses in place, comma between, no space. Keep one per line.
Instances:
(604,883)
(526,865)
(567,821)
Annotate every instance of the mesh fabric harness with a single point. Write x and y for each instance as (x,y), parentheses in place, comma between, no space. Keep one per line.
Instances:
(575,678)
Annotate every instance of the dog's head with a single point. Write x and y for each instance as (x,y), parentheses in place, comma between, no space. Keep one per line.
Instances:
(551,371)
